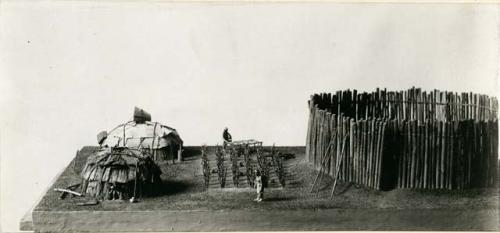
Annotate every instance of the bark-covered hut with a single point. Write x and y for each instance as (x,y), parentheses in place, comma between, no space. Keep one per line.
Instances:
(163,142)
(119,173)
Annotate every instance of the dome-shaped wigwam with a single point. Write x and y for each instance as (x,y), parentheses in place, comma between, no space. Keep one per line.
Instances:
(125,165)
(163,142)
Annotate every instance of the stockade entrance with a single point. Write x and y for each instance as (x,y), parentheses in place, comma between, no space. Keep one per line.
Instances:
(405,139)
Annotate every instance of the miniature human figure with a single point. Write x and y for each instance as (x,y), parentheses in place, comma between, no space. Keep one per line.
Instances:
(259,186)
(112,193)
(115,192)
(226,136)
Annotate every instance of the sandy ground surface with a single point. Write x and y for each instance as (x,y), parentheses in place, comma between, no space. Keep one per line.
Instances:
(183,192)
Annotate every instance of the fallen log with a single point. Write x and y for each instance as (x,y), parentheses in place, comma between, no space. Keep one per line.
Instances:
(72,188)
(68,191)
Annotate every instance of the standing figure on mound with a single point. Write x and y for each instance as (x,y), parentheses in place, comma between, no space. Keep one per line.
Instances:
(259,186)
(227,137)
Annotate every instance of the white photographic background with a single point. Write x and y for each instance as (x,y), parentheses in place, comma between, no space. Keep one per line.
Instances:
(71,69)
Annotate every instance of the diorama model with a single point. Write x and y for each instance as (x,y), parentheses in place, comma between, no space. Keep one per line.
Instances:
(391,160)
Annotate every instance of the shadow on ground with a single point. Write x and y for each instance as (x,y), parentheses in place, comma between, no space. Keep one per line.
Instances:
(170,187)
(274,199)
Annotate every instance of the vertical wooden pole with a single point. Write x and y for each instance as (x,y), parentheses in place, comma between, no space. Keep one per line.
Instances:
(338,147)
(362,150)
(317,154)
(442,159)
(431,154)
(355,137)
(335,159)
(469,152)
(446,153)
(453,154)
(310,104)
(380,151)
(397,137)
(450,154)
(438,152)
(369,154)
(346,147)
(359,150)
(367,148)
(408,154)
(417,153)
(367,145)
(376,127)
(426,152)
(313,136)
(404,139)
(411,139)
(351,144)
(378,147)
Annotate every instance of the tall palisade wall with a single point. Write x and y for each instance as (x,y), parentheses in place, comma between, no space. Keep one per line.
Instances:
(405,139)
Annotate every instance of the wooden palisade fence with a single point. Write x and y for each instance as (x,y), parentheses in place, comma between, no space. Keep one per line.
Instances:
(405,139)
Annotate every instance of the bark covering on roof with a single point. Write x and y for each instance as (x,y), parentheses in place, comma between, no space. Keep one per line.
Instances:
(152,135)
